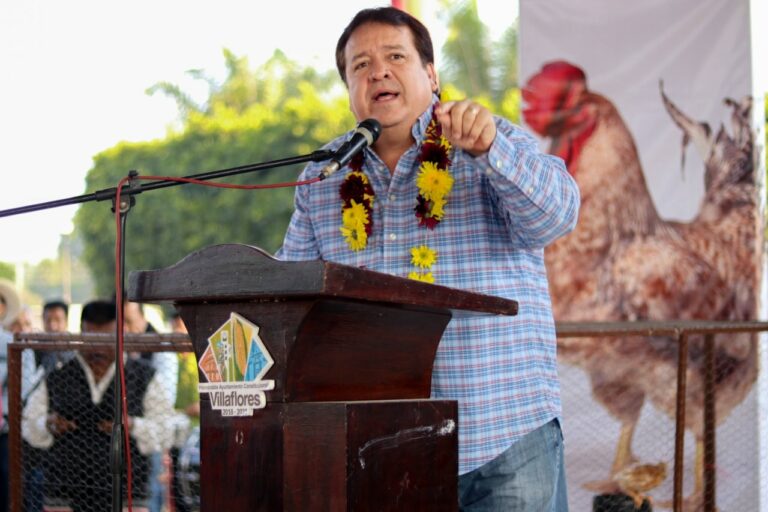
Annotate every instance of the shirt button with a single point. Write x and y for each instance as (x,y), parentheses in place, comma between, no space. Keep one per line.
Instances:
(499,163)
(392,236)
(488,171)
(530,191)
(391,197)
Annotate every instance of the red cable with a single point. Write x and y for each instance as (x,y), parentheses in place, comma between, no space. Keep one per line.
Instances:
(119,295)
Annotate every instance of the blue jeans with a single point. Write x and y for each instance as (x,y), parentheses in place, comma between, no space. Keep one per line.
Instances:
(529,476)
(156,487)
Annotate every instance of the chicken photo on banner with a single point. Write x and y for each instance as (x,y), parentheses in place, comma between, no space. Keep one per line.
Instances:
(624,262)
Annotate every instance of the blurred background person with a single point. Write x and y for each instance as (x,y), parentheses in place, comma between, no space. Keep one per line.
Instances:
(9,308)
(167,365)
(71,414)
(55,320)
(55,316)
(23,321)
(188,404)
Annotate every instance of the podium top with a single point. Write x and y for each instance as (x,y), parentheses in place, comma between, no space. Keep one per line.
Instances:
(230,272)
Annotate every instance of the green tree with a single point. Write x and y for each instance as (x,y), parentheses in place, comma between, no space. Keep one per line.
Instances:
(7,271)
(467,64)
(65,277)
(475,67)
(278,110)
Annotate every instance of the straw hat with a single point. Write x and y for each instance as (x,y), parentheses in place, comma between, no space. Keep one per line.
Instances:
(12,302)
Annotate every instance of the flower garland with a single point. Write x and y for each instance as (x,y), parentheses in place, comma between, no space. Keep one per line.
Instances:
(357,210)
(434,183)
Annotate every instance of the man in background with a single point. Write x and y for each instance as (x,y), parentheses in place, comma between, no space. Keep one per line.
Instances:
(71,416)
(9,308)
(167,365)
(55,316)
(22,322)
(55,320)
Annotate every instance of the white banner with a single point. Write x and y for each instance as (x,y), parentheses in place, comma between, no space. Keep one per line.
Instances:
(654,107)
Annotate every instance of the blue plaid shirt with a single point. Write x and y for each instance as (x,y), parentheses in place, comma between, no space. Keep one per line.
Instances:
(503,209)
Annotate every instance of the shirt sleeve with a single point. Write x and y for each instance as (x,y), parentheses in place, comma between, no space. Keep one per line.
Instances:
(29,373)
(300,243)
(534,191)
(33,419)
(167,365)
(151,431)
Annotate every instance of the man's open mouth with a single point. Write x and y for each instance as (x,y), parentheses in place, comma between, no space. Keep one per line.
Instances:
(384,95)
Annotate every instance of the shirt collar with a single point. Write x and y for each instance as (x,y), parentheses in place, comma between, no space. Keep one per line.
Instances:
(418,130)
(420,126)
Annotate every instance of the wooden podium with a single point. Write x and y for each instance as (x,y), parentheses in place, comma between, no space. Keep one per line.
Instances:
(348,424)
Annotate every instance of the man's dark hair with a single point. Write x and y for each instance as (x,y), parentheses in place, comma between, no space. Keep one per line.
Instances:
(56,304)
(98,312)
(387,16)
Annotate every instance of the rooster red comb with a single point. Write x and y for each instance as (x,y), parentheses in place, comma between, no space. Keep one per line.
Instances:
(557,87)
(556,108)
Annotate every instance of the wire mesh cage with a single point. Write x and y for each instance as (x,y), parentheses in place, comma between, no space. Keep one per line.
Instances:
(644,430)
(636,440)
(64,457)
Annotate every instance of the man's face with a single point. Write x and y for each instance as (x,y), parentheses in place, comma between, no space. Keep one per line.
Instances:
(54,320)
(22,323)
(385,76)
(98,358)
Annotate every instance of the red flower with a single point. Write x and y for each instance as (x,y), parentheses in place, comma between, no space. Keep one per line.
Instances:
(424,213)
(353,187)
(434,152)
(356,164)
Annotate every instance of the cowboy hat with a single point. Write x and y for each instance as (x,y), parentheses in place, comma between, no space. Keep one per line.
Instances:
(12,303)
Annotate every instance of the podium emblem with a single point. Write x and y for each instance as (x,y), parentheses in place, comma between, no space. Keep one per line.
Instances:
(233,364)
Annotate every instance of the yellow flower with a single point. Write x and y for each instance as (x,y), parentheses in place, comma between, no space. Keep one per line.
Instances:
(423,257)
(437,209)
(433,183)
(354,216)
(425,278)
(355,237)
(360,175)
(444,142)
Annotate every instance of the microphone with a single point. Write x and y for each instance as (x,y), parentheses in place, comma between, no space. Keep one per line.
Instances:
(365,135)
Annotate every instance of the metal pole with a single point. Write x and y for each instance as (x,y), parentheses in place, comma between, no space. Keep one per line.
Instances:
(682,369)
(710,419)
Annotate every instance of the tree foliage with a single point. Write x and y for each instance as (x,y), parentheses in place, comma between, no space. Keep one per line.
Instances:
(467,63)
(65,277)
(278,110)
(7,271)
(474,66)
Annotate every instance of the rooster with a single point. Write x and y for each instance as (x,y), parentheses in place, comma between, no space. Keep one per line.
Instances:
(624,262)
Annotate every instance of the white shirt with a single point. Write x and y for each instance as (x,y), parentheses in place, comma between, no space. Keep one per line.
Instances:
(150,431)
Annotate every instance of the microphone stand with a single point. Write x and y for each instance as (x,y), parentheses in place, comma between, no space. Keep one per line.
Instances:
(128,200)
(134,189)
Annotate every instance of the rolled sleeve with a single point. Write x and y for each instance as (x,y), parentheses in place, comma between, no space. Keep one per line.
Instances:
(152,431)
(539,199)
(33,418)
